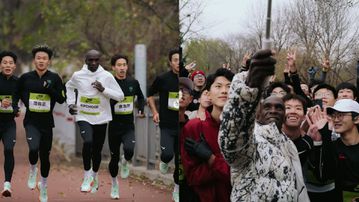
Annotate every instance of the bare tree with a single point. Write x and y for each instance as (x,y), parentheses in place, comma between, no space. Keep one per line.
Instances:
(326,29)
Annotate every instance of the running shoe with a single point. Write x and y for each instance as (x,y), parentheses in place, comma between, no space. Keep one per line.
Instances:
(163,167)
(43,192)
(7,190)
(115,193)
(31,182)
(175,196)
(87,184)
(95,185)
(125,170)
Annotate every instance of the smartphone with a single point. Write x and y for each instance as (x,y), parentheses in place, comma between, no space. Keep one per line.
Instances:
(318,102)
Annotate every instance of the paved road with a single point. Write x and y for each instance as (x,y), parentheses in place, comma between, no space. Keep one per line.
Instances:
(65,179)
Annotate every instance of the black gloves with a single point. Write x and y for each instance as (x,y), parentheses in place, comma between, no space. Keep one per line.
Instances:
(262,66)
(73,109)
(200,149)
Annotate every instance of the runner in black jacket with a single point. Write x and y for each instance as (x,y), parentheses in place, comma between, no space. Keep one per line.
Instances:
(7,115)
(39,90)
(121,128)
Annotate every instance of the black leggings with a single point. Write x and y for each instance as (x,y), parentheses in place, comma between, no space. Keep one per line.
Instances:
(169,147)
(93,137)
(120,133)
(8,137)
(39,141)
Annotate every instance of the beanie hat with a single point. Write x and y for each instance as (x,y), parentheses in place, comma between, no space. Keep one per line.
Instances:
(197,72)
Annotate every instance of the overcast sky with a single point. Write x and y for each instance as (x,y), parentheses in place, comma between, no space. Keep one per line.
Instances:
(223,17)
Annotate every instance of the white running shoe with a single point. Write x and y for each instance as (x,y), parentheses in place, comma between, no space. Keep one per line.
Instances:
(43,192)
(31,182)
(7,190)
(115,193)
(87,184)
(163,167)
(95,185)
(125,170)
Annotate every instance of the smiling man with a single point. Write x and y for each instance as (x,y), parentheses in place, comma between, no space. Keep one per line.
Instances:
(7,115)
(295,108)
(206,171)
(264,162)
(344,116)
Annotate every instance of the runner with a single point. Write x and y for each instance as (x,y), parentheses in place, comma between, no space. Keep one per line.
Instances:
(121,128)
(7,115)
(88,95)
(39,90)
(166,85)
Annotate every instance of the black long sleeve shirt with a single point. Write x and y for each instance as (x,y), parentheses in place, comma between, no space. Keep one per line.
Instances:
(123,111)
(7,89)
(166,85)
(38,99)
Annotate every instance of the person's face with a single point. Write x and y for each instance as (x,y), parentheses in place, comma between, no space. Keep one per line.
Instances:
(345,94)
(326,96)
(218,92)
(7,65)
(294,113)
(120,67)
(41,61)
(305,88)
(279,92)
(342,121)
(174,63)
(199,80)
(272,110)
(185,98)
(92,61)
(204,100)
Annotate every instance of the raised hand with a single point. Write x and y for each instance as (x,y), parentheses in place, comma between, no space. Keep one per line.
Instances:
(291,58)
(262,66)
(325,64)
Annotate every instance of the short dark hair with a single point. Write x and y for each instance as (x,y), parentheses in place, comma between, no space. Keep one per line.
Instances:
(291,96)
(274,85)
(346,85)
(326,86)
(219,72)
(8,53)
(42,48)
(116,57)
(172,52)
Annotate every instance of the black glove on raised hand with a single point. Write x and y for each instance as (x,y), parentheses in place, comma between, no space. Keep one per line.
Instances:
(200,149)
(73,109)
(262,66)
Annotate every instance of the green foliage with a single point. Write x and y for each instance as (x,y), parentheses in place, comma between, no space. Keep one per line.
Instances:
(73,27)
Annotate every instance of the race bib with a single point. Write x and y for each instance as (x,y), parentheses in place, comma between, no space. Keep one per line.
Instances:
(125,106)
(39,102)
(90,106)
(173,101)
(9,108)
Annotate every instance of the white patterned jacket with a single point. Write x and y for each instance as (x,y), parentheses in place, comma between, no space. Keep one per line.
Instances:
(264,163)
